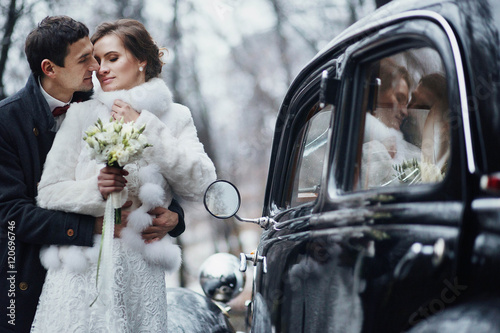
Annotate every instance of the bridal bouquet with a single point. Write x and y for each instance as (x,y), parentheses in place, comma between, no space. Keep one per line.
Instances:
(116,143)
(412,172)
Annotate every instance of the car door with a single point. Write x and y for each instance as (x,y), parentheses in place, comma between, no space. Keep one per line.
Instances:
(301,148)
(370,245)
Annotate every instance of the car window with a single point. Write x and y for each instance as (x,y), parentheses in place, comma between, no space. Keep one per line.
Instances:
(405,121)
(310,150)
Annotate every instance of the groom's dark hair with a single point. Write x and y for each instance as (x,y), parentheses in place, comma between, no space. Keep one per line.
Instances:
(51,40)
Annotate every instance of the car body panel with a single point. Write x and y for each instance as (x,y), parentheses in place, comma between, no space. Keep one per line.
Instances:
(385,259)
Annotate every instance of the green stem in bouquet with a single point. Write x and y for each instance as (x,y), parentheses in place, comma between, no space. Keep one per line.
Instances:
(118,215)
(116,197)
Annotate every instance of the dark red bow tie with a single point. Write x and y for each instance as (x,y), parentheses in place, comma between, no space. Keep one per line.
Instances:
(60,110)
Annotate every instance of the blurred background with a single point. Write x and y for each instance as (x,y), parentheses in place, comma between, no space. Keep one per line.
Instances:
(230,62)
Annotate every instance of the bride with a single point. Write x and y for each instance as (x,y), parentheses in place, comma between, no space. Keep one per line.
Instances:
(177,164)
(383,143)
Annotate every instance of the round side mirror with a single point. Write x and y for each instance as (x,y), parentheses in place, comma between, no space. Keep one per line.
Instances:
(222,199)
(220,277)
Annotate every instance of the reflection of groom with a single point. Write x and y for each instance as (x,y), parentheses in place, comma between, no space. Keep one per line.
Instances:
(60,56)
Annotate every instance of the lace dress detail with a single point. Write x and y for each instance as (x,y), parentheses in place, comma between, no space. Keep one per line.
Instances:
(133,181)
(139,291)
(140,302)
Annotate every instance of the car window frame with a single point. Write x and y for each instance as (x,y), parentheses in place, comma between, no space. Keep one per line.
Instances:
(299,162)
(340,179)
(307,94)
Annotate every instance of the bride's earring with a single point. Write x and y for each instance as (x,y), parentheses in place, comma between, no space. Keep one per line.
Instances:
(141,69)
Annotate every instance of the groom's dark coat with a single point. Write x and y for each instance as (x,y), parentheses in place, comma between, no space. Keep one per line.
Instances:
(25,140)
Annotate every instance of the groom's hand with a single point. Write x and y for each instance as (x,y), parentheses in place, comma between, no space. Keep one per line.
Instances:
(164,221)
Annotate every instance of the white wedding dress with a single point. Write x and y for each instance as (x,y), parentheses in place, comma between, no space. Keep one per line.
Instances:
(139,292)
(140,302)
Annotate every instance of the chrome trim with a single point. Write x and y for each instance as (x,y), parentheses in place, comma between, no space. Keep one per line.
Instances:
(486,204)
(462,90)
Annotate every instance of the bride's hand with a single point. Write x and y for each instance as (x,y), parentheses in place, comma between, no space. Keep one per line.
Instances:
(111,180)
(120,109)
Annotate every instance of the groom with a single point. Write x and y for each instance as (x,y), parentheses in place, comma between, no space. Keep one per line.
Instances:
(60,56)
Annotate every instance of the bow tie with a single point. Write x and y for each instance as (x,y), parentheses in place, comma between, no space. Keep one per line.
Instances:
(60,110)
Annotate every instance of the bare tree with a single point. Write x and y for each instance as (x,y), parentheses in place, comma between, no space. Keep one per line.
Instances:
(282,39)
(13,14)
(184,68)
(181,73)
(130,9)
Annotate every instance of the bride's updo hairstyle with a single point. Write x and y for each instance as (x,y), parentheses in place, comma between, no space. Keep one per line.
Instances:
(137,40)
(391,73)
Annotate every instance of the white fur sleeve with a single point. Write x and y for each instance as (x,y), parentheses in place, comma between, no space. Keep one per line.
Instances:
(178,151)
(60,188)
(376,165)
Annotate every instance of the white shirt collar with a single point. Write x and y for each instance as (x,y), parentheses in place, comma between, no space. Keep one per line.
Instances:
(53,102)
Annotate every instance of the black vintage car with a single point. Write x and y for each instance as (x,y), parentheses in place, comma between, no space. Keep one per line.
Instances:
(382,208)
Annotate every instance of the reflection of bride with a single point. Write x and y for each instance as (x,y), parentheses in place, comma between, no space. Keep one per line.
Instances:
(383,142)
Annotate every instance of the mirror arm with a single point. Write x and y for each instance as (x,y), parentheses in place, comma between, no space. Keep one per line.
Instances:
(263,222)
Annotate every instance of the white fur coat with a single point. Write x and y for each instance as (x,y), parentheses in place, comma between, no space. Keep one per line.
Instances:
(177,163)
(377,162)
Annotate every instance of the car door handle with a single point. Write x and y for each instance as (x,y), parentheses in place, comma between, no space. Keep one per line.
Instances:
(428,254)
(255,258)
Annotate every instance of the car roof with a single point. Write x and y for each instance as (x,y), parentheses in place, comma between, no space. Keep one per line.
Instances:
(378,17)
(475,23)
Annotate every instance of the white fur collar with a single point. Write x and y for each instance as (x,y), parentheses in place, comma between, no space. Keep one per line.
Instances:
(153,96)
(377,130)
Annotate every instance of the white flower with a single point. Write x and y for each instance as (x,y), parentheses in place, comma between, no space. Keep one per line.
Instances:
(115,142)
(413,172)
(430,173)
(127,129)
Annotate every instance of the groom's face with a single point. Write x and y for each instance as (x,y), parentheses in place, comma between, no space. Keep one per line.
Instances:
(76,75)
(421,98)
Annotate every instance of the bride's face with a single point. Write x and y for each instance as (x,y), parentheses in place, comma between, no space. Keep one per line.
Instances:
(391,107)
(118,68)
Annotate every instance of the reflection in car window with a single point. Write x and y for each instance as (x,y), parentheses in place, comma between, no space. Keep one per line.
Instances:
(312,140)
(406,132)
